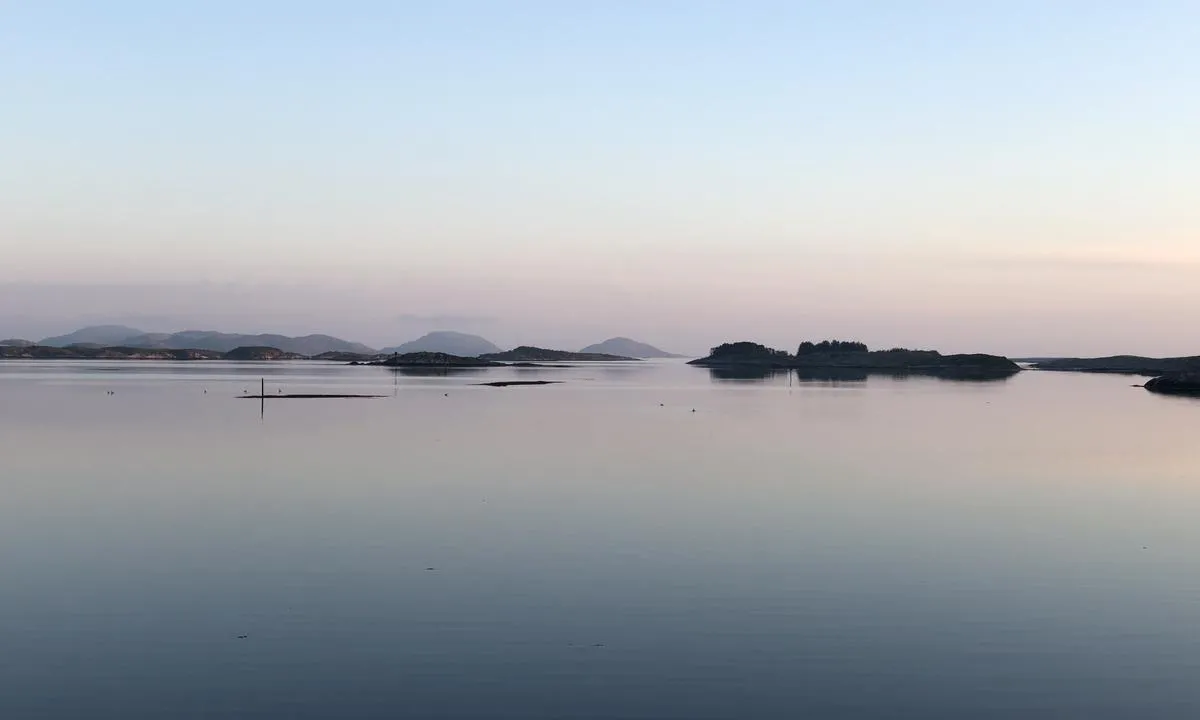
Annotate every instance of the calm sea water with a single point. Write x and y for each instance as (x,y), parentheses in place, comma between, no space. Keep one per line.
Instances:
(884,549)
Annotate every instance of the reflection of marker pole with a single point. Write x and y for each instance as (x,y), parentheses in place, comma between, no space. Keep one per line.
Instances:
(262,402)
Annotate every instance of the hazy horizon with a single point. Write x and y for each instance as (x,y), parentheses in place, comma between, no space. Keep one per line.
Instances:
(1012,178)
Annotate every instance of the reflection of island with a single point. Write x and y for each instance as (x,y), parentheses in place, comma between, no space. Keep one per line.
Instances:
(800,374)
(833,360)
(435,370)
(836,375)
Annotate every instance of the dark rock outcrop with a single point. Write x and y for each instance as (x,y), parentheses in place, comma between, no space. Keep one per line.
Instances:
(1183,383)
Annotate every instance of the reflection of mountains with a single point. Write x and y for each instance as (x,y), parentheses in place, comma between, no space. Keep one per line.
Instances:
(846,374)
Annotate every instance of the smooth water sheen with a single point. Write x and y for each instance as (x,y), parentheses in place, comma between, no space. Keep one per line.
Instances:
(895,548)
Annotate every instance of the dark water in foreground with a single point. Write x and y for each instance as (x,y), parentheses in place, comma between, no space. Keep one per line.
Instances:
(889,549)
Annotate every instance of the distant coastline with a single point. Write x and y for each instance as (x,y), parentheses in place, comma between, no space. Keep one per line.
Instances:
(834,360)
(244,354)
(521,357)
(1121,365)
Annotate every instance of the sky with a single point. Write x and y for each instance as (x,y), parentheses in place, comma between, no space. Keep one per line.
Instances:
(1010,176)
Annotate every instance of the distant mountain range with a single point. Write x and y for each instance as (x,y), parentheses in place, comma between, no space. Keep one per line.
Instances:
(224,342)
(119,335)
(464,345)
(628,348)
(106,335)
(447,342)
(444,341)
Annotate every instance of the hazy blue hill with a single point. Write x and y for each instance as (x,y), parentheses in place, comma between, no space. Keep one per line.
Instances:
(448,342)
(307,345)
(150,340)
(100,335)
(15,342)
(628,348)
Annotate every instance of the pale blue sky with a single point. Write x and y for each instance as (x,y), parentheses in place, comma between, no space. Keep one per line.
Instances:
(1006,176)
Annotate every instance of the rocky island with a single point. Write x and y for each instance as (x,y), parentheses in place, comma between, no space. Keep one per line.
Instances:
(1181,383)
(837,355)
(433,360)
(527,353)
